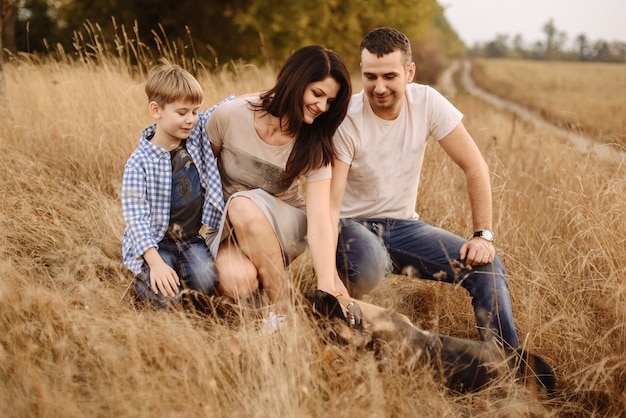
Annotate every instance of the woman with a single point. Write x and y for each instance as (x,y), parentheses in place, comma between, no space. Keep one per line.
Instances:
(264,144)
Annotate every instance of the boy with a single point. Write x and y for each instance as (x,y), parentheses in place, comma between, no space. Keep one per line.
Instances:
(171,193)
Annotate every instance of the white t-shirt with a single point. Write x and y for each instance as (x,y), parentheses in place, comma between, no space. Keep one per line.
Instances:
(246,162)
(386,156)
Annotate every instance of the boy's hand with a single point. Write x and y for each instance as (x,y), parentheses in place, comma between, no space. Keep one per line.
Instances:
(164,280)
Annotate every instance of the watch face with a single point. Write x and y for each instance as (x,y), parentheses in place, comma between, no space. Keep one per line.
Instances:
(487,234)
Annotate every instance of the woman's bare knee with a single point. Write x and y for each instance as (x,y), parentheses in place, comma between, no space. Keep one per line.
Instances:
(236,285)
(237,275)
(242,210)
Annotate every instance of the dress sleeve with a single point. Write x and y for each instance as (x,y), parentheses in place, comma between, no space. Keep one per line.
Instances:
(321,173)
(216,119)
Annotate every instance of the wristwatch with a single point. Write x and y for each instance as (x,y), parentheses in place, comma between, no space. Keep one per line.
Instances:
(485,234)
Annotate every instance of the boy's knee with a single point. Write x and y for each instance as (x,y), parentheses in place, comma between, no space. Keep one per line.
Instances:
(145,295)
(205,284)
(202,279)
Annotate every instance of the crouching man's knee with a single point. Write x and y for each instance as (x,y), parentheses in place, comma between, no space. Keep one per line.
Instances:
(362,275)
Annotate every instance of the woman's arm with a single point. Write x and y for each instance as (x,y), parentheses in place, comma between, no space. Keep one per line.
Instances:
(321,236)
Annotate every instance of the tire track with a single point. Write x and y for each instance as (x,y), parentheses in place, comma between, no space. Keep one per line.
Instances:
(582,143)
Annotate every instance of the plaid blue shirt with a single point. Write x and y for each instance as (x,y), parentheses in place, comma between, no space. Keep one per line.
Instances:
(147,188)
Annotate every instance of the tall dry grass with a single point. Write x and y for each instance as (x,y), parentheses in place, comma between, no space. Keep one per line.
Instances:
(73,345)
(579,96)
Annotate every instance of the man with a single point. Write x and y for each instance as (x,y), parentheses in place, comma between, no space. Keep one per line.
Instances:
(380,150)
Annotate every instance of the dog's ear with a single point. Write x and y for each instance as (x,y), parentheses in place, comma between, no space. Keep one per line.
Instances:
(536,372)
(327,306)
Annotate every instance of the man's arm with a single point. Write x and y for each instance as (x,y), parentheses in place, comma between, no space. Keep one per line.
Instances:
(460,146)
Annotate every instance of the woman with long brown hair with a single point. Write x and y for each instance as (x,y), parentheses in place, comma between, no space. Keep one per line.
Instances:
(264,145)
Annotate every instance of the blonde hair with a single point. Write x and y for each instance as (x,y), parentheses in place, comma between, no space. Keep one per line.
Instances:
(169,83)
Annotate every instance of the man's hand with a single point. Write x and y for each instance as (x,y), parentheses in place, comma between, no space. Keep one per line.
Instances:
(477,252)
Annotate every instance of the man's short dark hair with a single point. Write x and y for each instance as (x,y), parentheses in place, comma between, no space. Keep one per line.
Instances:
(383,41)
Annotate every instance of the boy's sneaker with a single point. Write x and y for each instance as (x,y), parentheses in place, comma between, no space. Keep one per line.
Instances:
(254,300)
(273,323)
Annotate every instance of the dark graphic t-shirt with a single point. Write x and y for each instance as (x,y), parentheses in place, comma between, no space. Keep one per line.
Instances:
(187,196)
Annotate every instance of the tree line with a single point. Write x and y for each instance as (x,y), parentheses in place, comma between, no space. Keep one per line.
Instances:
(555,46)
(220,31)
(214,33)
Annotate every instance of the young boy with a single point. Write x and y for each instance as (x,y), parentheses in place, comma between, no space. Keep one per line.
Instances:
(171,193)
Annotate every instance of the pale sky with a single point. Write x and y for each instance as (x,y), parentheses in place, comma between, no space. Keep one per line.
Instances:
(482,20)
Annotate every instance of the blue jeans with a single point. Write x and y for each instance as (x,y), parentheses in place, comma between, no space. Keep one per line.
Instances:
(193,263)
(369,249)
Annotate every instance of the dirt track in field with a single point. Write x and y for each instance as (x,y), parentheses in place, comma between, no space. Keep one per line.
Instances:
(581,142)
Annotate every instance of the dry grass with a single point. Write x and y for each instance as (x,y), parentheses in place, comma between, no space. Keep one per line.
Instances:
(587,97)
(73,345)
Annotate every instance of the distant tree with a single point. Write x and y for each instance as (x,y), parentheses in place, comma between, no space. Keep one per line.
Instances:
(582,44)
(538,50)
(519,50)
(451,45)
(7,40)
(551,35)
(618,51)
(561,40)
(601,51)
(221,31)
(7,25)
(37,26)
(498,48)
(282,26)
(554,47)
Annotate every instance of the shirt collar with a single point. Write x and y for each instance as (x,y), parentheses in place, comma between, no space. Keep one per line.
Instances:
(154,151)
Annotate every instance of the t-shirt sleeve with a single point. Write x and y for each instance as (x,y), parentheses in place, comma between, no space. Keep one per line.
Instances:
(215,126)
(444,117)
(322,173)
(344,143)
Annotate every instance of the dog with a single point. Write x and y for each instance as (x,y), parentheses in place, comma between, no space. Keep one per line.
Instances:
(464,365)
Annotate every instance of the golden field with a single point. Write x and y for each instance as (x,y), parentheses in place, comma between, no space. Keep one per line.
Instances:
(583,97)
(74,345)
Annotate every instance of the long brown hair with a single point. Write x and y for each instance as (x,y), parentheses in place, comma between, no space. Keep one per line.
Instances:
(313,146)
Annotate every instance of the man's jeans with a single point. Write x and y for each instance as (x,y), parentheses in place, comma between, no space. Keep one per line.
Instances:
(369,249)
(193,263)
